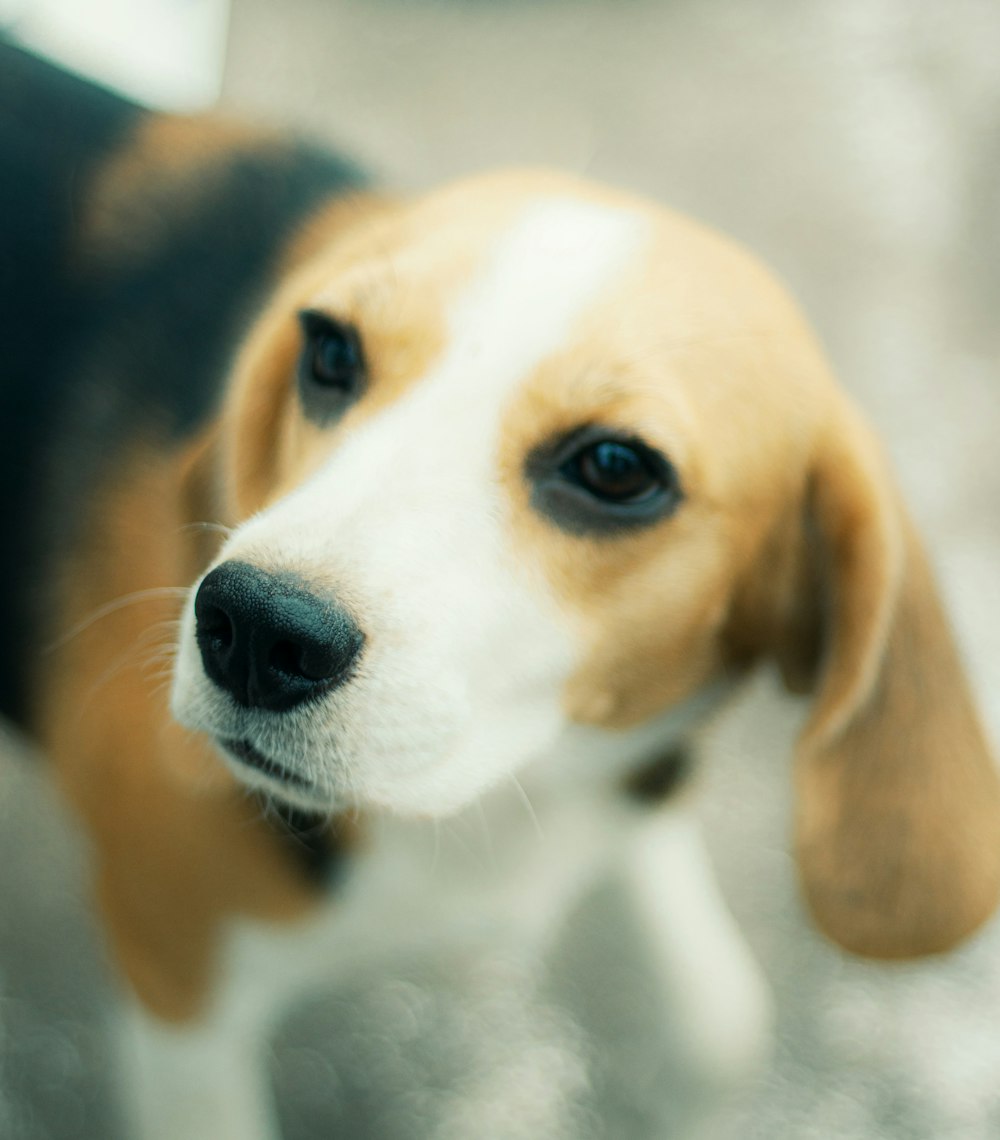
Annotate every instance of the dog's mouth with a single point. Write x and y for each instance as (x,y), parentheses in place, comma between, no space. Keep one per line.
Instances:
(245,753)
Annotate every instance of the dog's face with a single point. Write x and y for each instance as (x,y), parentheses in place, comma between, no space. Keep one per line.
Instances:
(523,471)
(491,451)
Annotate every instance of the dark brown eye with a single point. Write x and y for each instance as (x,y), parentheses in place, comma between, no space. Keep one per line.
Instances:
(332,369)
(333,356)
(613,471)
(598,480)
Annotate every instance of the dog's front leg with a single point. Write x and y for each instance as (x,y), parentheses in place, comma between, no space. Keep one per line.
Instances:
(716,1001)
(206,1080)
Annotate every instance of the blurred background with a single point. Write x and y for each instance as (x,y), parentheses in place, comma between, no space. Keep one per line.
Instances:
(856,146)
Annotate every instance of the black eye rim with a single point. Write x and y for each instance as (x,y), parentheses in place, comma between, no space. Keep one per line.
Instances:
(557,491)
(317,325)
(324,402)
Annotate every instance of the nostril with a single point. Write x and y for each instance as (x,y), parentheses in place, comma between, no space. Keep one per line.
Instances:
(287,657)
(305,660)
(216,625)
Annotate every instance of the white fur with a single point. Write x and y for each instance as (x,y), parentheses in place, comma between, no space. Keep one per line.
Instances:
(709,981)
(498,883)
(202,1082)
(467,654)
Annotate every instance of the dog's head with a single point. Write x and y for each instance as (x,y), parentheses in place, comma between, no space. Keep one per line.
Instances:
(522,472)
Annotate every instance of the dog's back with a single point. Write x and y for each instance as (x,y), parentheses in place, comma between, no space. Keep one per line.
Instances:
(133,248)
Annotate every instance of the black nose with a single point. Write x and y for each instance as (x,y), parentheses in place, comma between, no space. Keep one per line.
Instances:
(268,641)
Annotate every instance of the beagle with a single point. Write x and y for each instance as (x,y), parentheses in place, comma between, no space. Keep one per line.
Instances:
(376,510)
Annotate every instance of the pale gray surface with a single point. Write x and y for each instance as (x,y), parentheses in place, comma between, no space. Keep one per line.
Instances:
(856,145)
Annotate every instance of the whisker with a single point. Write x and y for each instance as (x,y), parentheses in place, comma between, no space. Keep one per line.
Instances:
(466,848)
(119,665)
(435,858)
(214,527)
(487,836)
(163,686)
(149,647)
(262,802)
(163,647)
(525,799)
(155,592)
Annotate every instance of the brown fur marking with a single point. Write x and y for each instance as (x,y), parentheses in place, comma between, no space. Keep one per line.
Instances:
(686,352)
(388,280)
(178,848)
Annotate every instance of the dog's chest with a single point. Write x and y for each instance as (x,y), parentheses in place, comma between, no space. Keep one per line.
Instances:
(502,874)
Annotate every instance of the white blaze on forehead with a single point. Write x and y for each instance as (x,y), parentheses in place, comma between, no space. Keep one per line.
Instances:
(539,279)
(543,274)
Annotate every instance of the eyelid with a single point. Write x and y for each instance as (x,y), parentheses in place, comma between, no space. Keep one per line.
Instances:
(551,456)
(316,321)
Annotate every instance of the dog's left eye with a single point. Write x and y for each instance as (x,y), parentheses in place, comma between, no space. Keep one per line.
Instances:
(598,480)
(332,365)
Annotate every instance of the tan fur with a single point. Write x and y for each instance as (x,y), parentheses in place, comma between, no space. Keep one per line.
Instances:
(696,351)
(178,848)
(388,280)
(701,353)
(351,218)
(898,828)
(161,169)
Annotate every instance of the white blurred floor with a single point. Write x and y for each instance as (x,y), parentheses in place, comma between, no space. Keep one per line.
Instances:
(856,145)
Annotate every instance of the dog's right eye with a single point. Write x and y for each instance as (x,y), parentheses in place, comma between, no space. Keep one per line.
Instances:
(331,367)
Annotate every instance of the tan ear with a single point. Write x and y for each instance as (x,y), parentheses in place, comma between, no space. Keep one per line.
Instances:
(898,818)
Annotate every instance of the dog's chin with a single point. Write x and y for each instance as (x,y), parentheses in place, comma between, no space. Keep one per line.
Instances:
(277,781)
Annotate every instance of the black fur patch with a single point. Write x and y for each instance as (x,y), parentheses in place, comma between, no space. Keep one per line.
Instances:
(54,129)
(659,779)
(311,841)
(97,357)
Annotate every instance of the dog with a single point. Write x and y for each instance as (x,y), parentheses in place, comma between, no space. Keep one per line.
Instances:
(377,510)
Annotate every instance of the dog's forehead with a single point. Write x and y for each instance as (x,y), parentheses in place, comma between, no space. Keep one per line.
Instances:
(544,228)
(538,281)
(522,249)
(583,303)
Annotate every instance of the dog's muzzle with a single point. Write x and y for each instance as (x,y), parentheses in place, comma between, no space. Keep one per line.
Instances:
(268,641)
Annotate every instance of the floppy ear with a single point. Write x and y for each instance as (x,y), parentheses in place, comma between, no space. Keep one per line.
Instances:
(898,816)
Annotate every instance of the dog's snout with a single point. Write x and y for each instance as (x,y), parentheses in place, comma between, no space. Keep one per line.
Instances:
(268,641)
